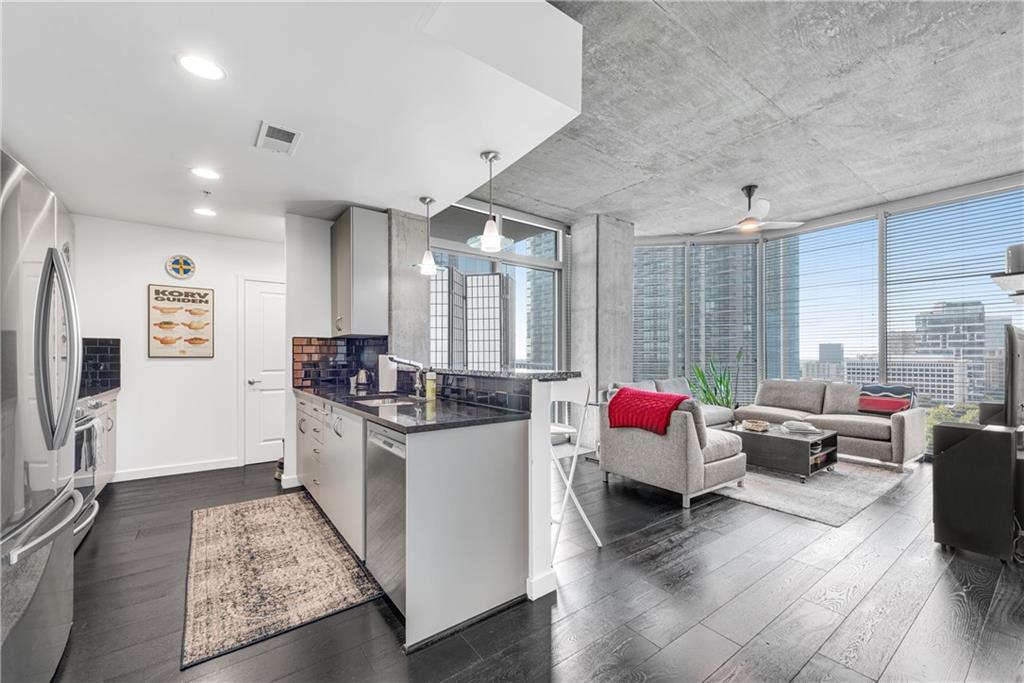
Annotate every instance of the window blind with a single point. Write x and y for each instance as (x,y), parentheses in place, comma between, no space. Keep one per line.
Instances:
(945,316)
(821,304)
(723,312)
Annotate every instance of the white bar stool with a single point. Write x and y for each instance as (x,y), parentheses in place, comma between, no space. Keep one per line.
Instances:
(575,392)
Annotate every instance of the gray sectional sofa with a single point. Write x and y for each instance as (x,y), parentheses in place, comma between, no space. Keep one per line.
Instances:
(898,439)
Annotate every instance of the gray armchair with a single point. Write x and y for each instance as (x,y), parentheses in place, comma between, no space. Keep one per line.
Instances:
(689,458)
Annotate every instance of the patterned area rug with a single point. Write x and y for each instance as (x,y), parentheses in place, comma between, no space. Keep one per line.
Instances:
(262,567)
(832,498)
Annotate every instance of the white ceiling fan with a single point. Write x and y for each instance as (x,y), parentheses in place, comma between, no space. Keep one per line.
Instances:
(754,219)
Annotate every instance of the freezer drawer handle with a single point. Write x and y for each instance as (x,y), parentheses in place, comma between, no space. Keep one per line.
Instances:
(29,547)
(92,515)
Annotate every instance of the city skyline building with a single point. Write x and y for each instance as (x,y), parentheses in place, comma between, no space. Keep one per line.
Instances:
(659,312)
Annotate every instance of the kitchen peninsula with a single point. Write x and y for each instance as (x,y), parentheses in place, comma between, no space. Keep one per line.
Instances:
(442,522)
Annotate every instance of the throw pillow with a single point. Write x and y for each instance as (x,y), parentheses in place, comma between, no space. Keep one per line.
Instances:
(885,399)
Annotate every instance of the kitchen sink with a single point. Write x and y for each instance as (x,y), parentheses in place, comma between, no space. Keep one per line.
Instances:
(390,401)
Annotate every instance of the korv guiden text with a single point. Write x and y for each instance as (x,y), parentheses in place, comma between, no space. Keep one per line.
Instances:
(179,296)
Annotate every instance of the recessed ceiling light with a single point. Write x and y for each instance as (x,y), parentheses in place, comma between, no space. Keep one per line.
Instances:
(207,173)
(203,211)
(202,67)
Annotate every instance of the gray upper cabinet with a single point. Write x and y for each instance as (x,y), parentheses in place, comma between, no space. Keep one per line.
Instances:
(359,273)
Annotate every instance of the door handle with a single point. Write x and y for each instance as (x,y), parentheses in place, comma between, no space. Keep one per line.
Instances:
(40,355)
(92,515)
(29,547)
(73,378)
(336,427)
(56,425)
(255,381)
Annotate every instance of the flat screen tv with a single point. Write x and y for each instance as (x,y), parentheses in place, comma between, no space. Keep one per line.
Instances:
(1014,376)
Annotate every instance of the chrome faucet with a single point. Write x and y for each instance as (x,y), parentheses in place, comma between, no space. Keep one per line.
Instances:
(420,371)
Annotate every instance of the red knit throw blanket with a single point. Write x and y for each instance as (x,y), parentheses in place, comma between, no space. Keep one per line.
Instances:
(650,410)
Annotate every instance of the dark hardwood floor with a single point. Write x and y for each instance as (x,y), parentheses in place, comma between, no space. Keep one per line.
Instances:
(725,591)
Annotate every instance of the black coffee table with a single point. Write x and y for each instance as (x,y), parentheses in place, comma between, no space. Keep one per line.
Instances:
(789,452)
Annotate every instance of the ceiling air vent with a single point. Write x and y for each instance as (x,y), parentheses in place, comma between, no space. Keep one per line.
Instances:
(276,139)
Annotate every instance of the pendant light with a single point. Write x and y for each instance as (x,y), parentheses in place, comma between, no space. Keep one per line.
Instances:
(426,264)
(491,240)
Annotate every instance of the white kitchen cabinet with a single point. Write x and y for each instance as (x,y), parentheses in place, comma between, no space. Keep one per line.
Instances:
(305,444)
(342,477)
(359,273)
(106,463)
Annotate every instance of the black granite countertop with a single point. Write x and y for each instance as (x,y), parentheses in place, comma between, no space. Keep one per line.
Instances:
(423,416)
(539,375)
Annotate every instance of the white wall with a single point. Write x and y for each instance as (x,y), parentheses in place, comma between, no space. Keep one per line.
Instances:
(307,304)
(174,415)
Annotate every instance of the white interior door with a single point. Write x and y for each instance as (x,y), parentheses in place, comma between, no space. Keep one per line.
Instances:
(266,371)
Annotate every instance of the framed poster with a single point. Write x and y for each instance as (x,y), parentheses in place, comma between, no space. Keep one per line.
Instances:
(180,322)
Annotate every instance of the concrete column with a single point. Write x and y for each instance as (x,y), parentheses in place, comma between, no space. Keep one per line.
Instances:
(409,315)
(601,305)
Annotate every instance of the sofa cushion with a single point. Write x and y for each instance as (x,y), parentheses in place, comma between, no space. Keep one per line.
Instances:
(803,395)
(859,426)
(674,385)
(721,445)
(841,399)
(644,384)
(768,413)
(695,409)
(716,415)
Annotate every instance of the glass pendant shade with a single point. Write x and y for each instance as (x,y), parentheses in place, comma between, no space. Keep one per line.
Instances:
(490,241)
(426,264)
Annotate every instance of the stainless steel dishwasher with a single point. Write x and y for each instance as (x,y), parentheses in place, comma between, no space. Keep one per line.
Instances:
(385,510)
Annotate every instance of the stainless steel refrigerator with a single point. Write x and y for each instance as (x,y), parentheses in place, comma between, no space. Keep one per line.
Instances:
(40,371)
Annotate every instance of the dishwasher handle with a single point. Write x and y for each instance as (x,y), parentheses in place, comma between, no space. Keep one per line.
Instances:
(387,444)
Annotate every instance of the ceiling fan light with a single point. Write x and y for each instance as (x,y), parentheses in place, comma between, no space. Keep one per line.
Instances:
(749,223)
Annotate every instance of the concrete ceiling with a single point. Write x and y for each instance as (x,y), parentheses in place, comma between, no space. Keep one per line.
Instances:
(828,106)
(394,100)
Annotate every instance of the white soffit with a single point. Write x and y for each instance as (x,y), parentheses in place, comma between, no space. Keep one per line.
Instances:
(394,101)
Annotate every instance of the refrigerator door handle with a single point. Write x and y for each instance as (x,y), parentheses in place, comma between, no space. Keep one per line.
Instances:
(95,510)
(16,554)
(41,359)
(72,378)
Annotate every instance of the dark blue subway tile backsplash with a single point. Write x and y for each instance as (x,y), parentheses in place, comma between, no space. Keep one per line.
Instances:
(101,365)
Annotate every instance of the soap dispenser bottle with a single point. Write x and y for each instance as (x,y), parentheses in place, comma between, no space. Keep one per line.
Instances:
(431,386)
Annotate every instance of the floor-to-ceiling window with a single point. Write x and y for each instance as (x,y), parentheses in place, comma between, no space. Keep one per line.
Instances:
(495,311)
(722,312)
(944,323)
(945,317)
(659,312)
(821,304)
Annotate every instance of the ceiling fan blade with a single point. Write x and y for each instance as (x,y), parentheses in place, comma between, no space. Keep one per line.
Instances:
(760,209)
(712,232)
(780,225)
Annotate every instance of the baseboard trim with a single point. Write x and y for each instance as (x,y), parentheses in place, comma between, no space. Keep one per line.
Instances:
(182,468)
(542,584)
(290,482)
